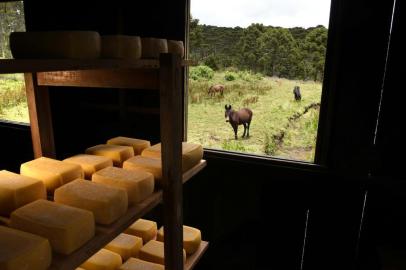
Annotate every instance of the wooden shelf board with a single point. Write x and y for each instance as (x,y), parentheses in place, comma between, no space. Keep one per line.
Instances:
(43,65)
(195,257)
(104,234)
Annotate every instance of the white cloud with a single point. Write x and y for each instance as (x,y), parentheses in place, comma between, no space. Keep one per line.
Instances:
(285,13)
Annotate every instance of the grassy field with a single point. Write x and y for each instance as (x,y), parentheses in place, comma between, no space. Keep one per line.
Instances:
(13,103)
(280,126)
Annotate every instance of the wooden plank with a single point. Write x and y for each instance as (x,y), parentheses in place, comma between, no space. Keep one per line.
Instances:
(171,140)
(192,260)
(42,65)
(39,111)
(193,171)
(114,78)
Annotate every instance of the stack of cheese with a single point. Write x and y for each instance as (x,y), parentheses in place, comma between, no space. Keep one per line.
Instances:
(150,159)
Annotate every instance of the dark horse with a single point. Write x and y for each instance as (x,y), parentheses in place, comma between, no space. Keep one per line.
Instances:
(242,117)
(296,92)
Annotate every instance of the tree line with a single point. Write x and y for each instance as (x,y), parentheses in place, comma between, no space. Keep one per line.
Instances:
(11,20)
(293,53)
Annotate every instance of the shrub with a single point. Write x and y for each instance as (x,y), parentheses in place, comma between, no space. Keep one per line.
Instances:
(250,100)
(230,76)
(201,73)
(269,145)
(233,145)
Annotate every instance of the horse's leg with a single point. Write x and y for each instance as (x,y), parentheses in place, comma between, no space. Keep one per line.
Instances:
(235,131)
(245,129)
(248,128)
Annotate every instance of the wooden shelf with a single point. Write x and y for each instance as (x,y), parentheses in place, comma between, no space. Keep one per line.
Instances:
(104,234)
(45,65)
(194,258)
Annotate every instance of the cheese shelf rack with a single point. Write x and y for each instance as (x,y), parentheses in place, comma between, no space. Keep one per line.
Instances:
(165,75)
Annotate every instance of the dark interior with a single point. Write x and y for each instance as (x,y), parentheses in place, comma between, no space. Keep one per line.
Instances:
(345,212)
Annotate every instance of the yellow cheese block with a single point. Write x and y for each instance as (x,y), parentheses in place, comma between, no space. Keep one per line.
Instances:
(90,163)
(176,46)
(23,251)
(55,44)
(125,245)
(153,251)
(137,264)
(121,46)
(107,203)
(192,153)
(117,153)
(67,228)
(146,229)
(192,238)
(103,260)
(17,190)
(147,164)
(138,184)
(52,172)
(137,144)
(153,47)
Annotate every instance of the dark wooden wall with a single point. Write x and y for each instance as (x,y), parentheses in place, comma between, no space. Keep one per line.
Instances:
(255,212)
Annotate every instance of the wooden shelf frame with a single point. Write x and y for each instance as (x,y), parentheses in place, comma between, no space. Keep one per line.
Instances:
(164,75)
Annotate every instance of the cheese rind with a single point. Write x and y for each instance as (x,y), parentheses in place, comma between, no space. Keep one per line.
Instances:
(153,47)
(138,184)
(52,172)
(125,245)
(67,228)
(146,229)
(121,46)
(192,153)
(55,44)
(137,264)
(192,238)
(137,144)
(103,260)
(117,153)
(90,163)
(107,203)
(23,251)
(17,190)
(153,251)
(176,46)
(147,164)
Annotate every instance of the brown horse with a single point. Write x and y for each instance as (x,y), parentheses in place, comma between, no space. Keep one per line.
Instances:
(242,117)
(217,88)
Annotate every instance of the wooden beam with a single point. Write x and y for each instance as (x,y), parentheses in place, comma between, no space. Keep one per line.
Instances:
(40,117)
(171,139)
(112,78)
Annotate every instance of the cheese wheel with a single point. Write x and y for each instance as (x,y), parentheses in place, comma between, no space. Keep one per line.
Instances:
(147,164)
(52,172)
(192,153)
(146,229)
(67,228)
(17,190)
(176,46)
(121,46)
(137,264)
(125,245)
(138,184)
(107,203)
(23,251)
(55,44)
(137,144)
(153,251)
(153,47)
(192,238)
(103,260)
(117,153)
(90,163)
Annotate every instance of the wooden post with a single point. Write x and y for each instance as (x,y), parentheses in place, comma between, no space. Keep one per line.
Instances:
(40,117)
(171,139)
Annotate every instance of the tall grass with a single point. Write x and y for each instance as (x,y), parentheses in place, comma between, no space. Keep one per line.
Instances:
(13,102)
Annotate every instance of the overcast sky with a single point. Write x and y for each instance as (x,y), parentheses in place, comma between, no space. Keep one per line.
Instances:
(285,13)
